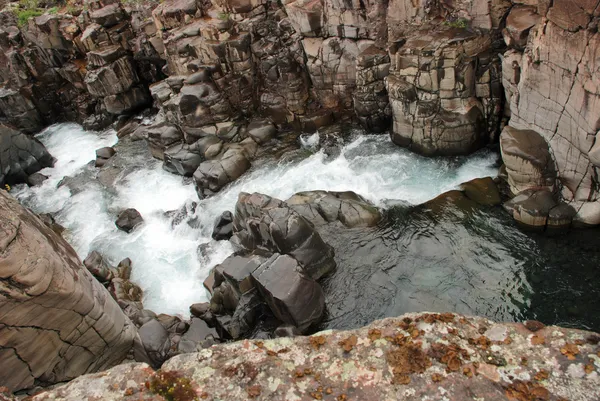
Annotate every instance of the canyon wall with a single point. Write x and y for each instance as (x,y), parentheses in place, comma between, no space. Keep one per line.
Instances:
(57,322)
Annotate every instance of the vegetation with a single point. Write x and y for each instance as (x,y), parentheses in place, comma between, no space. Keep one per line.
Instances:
(457,23)
(223,16)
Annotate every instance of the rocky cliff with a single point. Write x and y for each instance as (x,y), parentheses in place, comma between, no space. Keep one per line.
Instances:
(56,321)
(413,357)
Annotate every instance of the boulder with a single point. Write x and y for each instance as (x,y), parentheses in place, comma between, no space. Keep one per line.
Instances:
(36,179)
(20,156)
(261,131)
(482,190)
(179,159)
(196,336)
(57,321)
(128,220)
(212,175)
(198,310)
(154,344)
(108,16)
(103,154)
(292,295)
(99,268)
(126,102)
(223,227)
(519,21)
(268,224)
(160,136)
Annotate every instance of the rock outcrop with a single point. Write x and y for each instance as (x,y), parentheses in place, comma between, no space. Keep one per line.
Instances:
(20,156)
(413,357)
(56,320)
(550,78)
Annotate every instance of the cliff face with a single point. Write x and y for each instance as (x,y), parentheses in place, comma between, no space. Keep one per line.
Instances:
(413,357)
(56,321)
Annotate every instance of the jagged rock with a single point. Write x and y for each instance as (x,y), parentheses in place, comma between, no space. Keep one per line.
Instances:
(99,268)
(160,136)
(117,77)
(244,318)
(212,175)
(20,156)
(262,222)
(128,220)
(519,21)
(237,270)
(154,342)
(293,296)
(134,99)
(108,16)
(223,227)
(103,154)
(198,310)
(57,321)
(196,335)
(173,13)
(179,159)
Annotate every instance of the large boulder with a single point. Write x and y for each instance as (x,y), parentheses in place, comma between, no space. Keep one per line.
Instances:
(56,320)
(292,295)
(223,227)
(154,344)
(212,175)
(20,156)
(128,220)
(262,222)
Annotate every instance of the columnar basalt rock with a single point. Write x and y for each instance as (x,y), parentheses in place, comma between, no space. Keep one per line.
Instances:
(57,321)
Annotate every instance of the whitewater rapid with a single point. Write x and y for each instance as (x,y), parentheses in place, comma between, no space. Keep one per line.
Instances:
(166,263)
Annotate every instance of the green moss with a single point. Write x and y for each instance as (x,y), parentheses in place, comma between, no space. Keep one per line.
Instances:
(172,386)
(223,16)
(24,15)
(457,23)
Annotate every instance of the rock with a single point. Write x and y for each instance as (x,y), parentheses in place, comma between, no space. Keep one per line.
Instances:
(108,16)
(103,154)
(179,159)
(212,175)
(115,78)
(482,190)
(268,224)
(223,227)
(51,223)
(417,366)
(261,131)
(198,310)
(287,330)
(56,320)
(36,179)
(99,268)
(195,336)
(128,220)
(245,316)
(292,296)
(154,342)
(527,159)
(518,23)
(160,136)
(20,156)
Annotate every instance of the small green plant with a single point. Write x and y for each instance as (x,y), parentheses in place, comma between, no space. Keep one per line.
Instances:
(24,15)
(52,10)
(172,386)
(457,23)
(223,16)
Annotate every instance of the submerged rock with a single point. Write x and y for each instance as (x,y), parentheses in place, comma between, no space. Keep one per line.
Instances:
(416,356)
(128,220)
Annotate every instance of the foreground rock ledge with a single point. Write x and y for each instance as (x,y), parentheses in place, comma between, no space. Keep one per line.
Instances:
(413,357)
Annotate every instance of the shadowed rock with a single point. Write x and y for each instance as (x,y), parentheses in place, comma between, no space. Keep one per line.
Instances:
(128,220)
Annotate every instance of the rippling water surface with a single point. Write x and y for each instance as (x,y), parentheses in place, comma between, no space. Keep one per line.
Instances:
(476,262)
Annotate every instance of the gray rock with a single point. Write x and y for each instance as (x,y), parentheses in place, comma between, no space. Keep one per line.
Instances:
(223,227)
(128,220)
(155,343)
(196,335)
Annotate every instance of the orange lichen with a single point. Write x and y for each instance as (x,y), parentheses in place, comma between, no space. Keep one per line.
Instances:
(589,368)
(317,341)
(541,375)
(254,391)
(534,325)
(570,350)
(436,377)
(527,391)
(348,343)
(129,391)
(467,372)
(538,340)
(407,359)
(172,386)
(342,397)
(374,334)
(524,361)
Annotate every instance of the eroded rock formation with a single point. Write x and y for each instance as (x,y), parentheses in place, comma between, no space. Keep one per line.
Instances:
(413,357)
(56,320)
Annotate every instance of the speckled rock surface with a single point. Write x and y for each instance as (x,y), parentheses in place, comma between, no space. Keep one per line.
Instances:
(419,356)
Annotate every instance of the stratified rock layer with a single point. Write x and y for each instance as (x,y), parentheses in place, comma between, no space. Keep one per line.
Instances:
(56,320)
(414,357)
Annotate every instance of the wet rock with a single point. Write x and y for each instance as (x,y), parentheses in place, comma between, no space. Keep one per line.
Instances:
(100,268)
(287,330)
(198,310)
(195,336)
(56,320)
(261,131)
(482,190)
(532,207)
(20,156)
(36,179)
(292,296)
(160,136)
(223,227)
(128,220)
(212,175)
(51,223)
(179,159)
(244,317)
(154,342)
(103,154)
(265,223)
